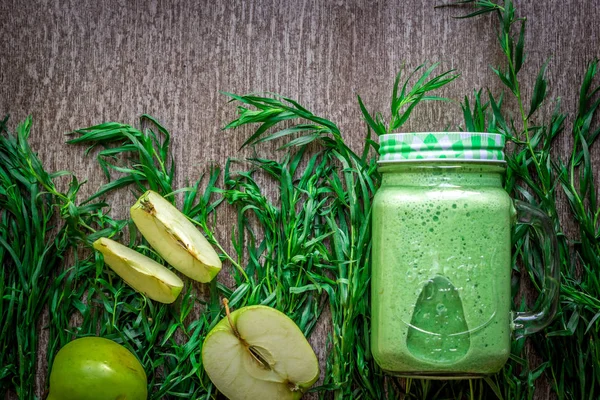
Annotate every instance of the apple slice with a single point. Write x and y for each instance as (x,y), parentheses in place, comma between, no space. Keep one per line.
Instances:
(140,272)
(175,238)
(257,352)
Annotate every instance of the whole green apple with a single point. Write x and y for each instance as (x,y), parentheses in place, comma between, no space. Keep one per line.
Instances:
(94,368)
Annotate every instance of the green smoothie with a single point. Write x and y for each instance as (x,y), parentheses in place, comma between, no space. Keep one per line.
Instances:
(441,269)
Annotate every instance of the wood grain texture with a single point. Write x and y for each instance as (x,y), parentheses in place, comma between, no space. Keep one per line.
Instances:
(75,63)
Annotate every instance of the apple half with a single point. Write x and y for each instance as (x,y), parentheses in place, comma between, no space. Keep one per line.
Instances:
(140,272)
(175,238)
(257,352)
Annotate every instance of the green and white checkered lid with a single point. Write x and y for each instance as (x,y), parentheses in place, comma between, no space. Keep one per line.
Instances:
(441,146)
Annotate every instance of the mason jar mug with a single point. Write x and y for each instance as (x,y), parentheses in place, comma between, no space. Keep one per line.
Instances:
(441,277)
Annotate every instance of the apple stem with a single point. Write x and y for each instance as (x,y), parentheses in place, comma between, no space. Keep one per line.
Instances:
(233,328)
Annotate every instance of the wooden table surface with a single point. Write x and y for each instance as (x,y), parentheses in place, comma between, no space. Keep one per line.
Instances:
(76,63)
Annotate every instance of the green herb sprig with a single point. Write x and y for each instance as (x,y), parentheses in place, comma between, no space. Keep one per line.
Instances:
(328,239)
(403,103)
(28,258)
(31,253)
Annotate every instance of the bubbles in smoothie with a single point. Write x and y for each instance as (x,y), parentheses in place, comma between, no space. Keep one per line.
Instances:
(410,275)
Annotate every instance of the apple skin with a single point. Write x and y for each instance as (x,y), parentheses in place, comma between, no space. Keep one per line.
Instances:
(294,365)
(95,368)
(175,238)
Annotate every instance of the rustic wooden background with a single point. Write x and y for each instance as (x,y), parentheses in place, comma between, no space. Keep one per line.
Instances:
(75,63)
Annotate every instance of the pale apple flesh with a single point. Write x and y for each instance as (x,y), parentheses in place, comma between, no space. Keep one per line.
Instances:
(175,238)
(259,353)
(140,272)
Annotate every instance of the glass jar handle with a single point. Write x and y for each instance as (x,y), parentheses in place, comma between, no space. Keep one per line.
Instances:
(526,323)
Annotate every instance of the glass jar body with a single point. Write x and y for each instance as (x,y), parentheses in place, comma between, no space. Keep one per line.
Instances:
(441,305)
